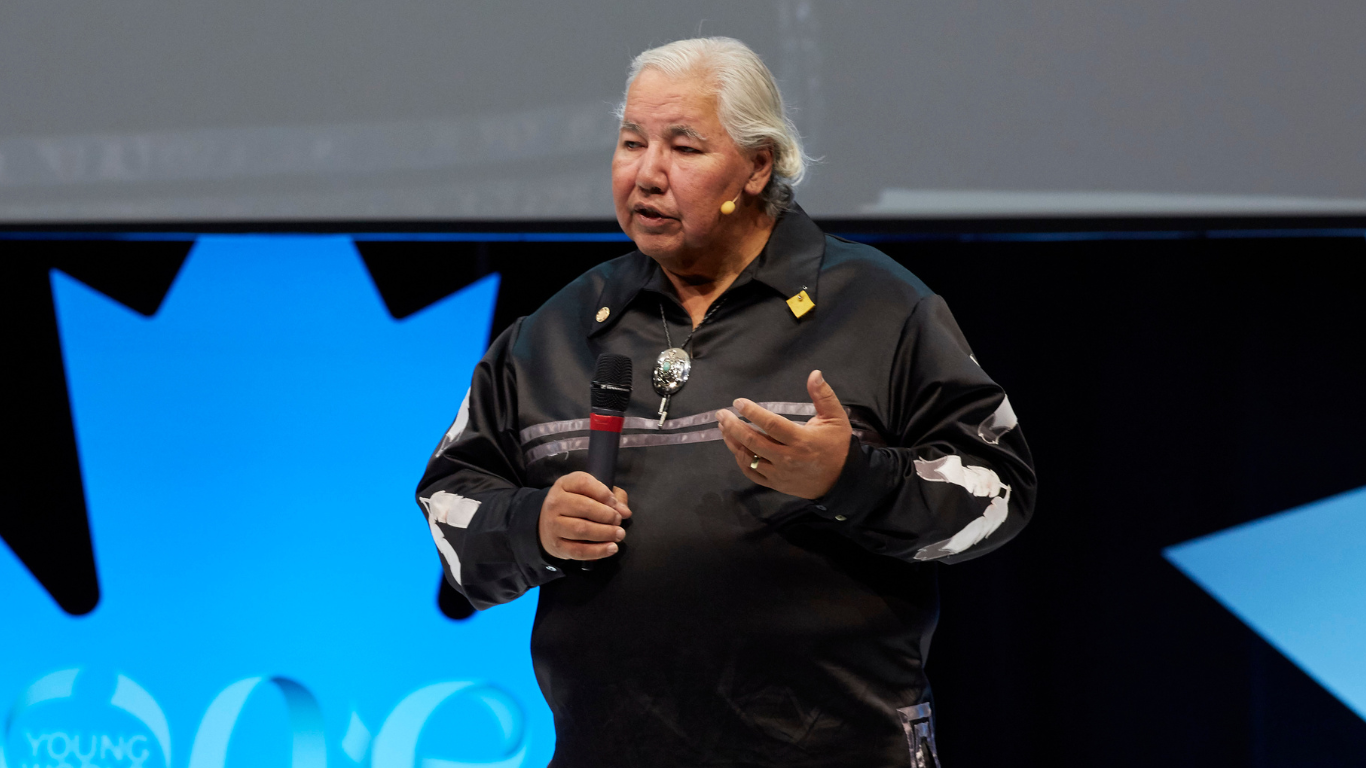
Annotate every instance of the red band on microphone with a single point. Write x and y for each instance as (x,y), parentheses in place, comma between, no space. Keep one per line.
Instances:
(604,423)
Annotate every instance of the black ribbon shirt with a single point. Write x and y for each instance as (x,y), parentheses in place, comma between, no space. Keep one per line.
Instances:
(737,625)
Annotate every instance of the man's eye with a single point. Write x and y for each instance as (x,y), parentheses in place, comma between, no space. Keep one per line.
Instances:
(630,144)
(688,150)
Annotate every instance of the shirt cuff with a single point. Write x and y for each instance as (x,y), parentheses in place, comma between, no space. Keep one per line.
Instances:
(862,485)
(525,530)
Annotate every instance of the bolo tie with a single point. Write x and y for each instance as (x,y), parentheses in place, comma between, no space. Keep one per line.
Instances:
(674,365)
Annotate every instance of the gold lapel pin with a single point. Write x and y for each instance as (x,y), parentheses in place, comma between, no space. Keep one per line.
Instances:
(602,314)
(800,304)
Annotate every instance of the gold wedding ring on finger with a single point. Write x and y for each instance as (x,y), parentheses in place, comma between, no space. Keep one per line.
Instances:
(754,464)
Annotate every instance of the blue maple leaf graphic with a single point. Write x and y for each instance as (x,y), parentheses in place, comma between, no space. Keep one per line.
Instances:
(1298,579)
(249,455)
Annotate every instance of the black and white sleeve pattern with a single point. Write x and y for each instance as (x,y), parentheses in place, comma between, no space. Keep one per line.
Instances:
(958,480)
(484,522)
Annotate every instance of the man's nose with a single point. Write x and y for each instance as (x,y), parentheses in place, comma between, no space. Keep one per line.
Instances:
(653,176)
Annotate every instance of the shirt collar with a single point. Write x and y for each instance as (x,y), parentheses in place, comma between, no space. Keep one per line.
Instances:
(790,263)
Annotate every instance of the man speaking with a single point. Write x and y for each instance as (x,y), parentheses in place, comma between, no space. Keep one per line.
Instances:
(808,434)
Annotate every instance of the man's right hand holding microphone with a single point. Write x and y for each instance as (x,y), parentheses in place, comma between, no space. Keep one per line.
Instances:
(581,519)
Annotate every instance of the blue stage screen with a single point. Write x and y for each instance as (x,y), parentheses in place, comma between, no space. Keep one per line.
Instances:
(1299,580)
(249,455)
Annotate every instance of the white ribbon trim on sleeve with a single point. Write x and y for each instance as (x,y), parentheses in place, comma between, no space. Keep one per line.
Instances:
(455,511)
(979,481)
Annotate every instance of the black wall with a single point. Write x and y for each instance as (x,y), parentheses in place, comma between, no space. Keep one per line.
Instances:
(1171,384)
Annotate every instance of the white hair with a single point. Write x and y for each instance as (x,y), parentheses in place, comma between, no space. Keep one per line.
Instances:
(748,104)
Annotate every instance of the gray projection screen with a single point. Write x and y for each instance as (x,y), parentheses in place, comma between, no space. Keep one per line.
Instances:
(151,110)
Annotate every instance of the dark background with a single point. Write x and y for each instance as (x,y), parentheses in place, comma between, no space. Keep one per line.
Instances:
(1173,378)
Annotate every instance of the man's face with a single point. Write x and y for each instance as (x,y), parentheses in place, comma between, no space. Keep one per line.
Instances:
(674,165)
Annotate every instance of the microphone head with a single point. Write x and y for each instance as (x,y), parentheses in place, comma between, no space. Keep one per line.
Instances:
(612,382)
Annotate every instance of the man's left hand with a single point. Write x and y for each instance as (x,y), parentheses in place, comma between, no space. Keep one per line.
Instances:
(802,460)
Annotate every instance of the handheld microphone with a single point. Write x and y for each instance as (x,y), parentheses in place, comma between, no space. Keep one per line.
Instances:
(611,393)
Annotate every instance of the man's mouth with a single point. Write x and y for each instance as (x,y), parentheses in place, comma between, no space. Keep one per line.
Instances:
(649,214)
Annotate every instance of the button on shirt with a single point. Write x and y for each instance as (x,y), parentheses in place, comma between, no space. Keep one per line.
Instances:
(737,625)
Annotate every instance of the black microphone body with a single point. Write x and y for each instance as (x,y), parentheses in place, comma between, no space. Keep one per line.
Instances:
(611,394)
(603,443)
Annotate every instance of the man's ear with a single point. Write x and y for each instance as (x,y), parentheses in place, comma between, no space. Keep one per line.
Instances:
(761,172)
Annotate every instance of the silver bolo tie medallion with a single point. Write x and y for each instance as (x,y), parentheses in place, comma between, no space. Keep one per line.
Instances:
(671,371)
(673,366)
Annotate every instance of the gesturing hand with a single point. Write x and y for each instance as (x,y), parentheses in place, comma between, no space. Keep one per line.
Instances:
(802,460)
(581,519)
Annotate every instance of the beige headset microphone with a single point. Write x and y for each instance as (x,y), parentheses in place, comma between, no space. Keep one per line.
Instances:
(728,207)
